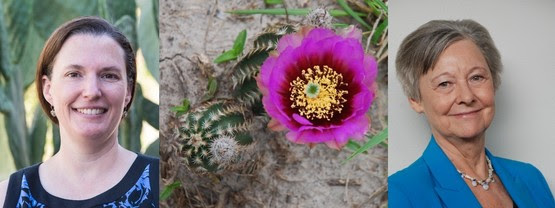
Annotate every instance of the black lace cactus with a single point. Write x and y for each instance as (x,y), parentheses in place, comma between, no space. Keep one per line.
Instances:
(213,134)
(248,66)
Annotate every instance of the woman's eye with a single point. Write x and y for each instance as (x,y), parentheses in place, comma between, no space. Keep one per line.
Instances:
(477,78)
(443,84)
(110,76)
(73,74)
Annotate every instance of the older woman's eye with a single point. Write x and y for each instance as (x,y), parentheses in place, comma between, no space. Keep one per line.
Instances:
(477,78)
(443,84)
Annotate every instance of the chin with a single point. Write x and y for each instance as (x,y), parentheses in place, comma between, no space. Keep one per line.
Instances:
(94,132)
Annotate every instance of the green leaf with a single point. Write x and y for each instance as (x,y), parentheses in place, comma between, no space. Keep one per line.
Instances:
(226,56)
(352,145)
(154,149)
(116,9)
(273,1)
(131,126)
(59,11)
(28,61)
(56,138)
(148,37)
(377,5)
(38,136)
(239,42)
(379,31)
(150,113)
(212,87)
(238,46)
(376,139)
(126,25)
(5,103)
(348,9)
(297,12)
(17,18)
(181,109)
(168,191)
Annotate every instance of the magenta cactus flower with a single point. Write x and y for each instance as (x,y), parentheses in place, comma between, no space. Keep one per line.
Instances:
(319,85)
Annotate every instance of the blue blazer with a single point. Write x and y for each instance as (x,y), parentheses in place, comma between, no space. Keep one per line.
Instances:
(433,181)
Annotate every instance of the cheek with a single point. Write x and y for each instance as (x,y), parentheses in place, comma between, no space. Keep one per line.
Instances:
(438,104)
(116,93)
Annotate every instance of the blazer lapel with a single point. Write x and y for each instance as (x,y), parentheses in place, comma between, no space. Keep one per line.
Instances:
(514,186)
(449,186)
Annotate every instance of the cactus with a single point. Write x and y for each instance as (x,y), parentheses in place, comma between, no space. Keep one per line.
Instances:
(248,66)
(213,135)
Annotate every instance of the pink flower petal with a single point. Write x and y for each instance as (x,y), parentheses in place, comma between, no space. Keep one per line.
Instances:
(306,49)
(301,119)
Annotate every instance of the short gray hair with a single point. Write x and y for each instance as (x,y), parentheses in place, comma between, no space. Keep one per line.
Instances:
(420,50)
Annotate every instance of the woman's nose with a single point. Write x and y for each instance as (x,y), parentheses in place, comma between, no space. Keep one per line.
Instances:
(91,88)
(465,95)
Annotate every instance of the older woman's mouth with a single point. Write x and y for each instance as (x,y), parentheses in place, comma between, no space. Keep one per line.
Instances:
(466,113)
(91,111)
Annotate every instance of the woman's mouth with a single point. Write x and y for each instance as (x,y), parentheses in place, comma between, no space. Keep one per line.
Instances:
(466,113)
(91,111)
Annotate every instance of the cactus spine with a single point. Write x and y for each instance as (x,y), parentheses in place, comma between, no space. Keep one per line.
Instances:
(213,134)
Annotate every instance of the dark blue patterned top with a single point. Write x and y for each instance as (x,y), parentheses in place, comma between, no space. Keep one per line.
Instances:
(135,190)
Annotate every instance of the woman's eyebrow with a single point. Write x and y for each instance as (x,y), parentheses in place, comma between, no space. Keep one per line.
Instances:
(434,78)
(111,68)
(74,66)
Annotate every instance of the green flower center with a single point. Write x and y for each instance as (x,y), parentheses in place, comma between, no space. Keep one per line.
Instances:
(317,94)
(312,90)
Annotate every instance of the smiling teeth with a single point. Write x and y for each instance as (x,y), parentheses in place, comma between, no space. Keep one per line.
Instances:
(91,111)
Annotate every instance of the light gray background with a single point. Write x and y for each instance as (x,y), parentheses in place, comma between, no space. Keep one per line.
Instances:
(524,125)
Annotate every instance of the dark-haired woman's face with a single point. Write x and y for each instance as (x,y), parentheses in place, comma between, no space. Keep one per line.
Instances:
(88,86)
(457,95)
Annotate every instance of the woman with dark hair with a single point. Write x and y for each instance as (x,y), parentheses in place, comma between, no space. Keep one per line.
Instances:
(450,71)
(85,83)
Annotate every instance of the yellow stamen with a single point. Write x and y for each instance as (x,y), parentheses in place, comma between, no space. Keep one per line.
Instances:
(315,93)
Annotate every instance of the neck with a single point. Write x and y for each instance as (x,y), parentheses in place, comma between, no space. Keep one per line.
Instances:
(467,154)
(91,154)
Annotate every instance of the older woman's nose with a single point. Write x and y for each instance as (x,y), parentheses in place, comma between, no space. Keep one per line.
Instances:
(465,95)
(91,88)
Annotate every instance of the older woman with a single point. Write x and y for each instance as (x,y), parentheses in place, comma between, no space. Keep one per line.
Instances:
(85,82)
(449,71)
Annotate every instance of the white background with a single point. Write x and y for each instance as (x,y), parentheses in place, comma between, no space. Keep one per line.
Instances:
(523,128)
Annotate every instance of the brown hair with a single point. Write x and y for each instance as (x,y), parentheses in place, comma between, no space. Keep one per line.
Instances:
(82,25)
(420,50)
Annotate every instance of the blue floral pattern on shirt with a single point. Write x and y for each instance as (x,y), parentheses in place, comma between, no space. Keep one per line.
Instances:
(135,197)
(25,197)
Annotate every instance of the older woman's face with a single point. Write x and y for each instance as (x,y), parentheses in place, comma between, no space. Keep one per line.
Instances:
(457,95)
(88,86)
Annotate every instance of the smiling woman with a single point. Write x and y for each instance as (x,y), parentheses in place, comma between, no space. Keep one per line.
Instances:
(450,71)
(86,79)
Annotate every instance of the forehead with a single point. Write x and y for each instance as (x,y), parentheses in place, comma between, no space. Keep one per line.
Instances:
(90,51)
(461,55)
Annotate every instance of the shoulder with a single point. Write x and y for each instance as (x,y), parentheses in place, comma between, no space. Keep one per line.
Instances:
(417,170)
(520,169)
(530,177)
(411,185)
(10,188)
(148,160)
(3,191)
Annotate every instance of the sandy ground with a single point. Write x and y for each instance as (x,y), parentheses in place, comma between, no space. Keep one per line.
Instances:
(278,173)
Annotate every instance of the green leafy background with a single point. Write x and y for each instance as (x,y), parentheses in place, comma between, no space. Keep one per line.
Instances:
(26,135)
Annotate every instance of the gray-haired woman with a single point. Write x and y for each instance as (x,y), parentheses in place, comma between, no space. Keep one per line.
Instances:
(450,71)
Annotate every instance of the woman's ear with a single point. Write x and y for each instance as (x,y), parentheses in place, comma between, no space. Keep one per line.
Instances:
(416,105)
(128,95)
(45,81)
